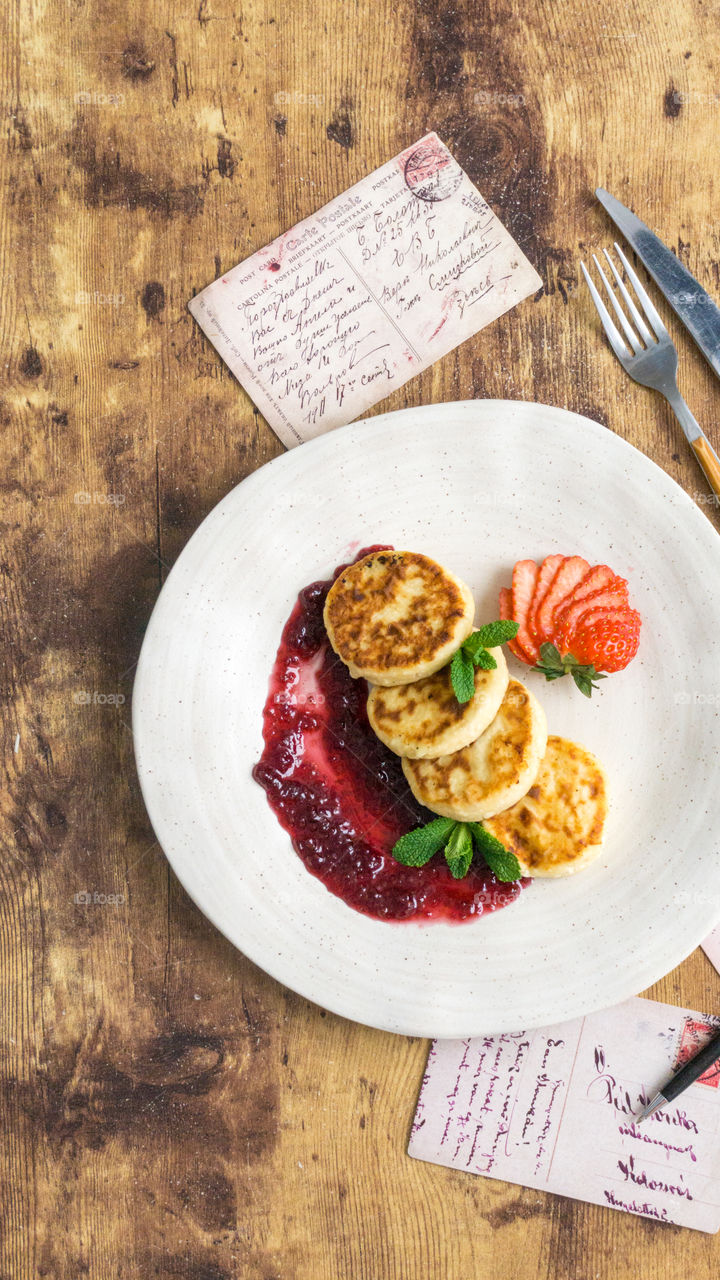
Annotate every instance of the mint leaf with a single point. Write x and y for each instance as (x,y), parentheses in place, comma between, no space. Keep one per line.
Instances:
(418,846)
(459,851)
(501,861)
(495,633)
(503,864)
(553,666)
(473,652)
(462,676)
(476,650)
(484,660)
(473,645)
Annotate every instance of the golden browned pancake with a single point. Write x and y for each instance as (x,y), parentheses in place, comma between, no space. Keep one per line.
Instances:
(397,616)
(557,828)
(494,771)
(425,718)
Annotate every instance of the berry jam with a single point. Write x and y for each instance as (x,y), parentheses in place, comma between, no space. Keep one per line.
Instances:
(341,795)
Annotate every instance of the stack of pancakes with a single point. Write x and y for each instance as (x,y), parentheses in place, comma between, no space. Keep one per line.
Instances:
(396,618)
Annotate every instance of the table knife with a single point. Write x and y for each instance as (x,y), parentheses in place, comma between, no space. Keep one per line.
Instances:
(687,298)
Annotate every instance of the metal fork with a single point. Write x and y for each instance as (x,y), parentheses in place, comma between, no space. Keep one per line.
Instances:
(651,358)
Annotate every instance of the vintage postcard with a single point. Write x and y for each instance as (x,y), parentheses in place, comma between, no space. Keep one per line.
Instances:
(555,1109)
(357,299)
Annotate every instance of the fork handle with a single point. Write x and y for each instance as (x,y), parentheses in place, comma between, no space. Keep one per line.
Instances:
(699,443)
(709,462)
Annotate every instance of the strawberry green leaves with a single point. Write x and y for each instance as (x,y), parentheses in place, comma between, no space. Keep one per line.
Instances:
(553,666)
(473,653)
(459,840)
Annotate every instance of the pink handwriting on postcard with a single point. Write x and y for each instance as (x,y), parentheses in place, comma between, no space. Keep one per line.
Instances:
(355,300)
(553,1109)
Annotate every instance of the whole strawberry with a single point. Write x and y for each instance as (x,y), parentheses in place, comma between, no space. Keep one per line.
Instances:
(607,638)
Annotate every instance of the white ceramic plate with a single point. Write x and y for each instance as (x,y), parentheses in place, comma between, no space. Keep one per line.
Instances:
(477,485)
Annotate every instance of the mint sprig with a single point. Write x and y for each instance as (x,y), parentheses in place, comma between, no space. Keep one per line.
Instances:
(462,675)
(495,633)
(460,840)
(418,846)
(459,850)
(500,860)
(473,653)
(552,665)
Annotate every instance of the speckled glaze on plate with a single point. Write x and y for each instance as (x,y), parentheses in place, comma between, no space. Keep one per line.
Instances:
(476,485)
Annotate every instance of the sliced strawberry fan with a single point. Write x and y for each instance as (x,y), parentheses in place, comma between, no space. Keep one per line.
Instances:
(582,613)
(545,578)
(524,581)
(570,574)
(506,614)
(597,579)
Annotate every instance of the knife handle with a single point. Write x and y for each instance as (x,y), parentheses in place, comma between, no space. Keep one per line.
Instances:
(709,462)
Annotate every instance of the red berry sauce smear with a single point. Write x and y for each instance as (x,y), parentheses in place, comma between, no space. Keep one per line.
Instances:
(341,795)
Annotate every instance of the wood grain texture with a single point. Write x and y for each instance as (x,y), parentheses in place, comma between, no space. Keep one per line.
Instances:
(167,1109)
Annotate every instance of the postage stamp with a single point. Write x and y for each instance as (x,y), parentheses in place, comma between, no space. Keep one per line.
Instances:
(431,173)
(692,1038)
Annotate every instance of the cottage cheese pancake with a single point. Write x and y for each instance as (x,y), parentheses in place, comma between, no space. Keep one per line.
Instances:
(425,718)
(494,771)
(397,616)
(557,828)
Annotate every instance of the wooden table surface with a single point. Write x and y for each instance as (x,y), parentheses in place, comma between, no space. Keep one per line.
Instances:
(168,1110)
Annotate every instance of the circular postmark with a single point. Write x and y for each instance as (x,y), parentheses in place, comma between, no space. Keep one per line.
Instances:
(431,173)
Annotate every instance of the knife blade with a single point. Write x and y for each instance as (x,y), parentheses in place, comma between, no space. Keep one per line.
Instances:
(687,298)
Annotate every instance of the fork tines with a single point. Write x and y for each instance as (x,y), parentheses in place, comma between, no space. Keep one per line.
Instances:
(651,315)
